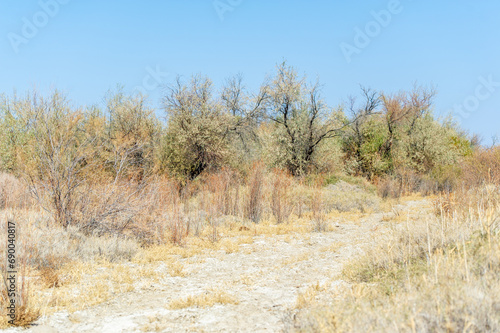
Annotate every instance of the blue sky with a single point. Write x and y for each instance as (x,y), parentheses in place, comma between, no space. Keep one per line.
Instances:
(85,48)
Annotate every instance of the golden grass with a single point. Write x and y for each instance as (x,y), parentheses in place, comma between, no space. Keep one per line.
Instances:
(306,298)
(332,247)
(207,299)
(433,274)
(87,284)
(229,246)
(177,269)
(155,324)
(296,259)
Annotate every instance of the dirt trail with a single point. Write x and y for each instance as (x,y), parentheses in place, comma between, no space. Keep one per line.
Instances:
(265,277)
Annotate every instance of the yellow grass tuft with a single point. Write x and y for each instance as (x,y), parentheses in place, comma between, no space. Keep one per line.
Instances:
(177,269)
(207,299)
(306,298)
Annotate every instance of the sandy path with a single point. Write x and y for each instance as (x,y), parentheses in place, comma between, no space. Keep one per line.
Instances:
(265,277)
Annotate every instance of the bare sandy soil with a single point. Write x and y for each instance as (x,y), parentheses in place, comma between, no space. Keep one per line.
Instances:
(264,278)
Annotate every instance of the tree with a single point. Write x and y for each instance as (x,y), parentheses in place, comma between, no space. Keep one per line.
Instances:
(361,136)
(394,136)
(13,136)
(202,126)
(402,112)
(131,135)
(57,157)
(303,121)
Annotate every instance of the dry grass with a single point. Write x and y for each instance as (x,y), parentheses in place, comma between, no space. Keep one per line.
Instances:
(308,297)
(155,324)
(229,246)
(254,201)
(13,194)
(280,197)
(50,277)
(88,284)
(433,274)
(16,291)
(103,254)
(207,299)
(25,310)
(318,211)
(177,269)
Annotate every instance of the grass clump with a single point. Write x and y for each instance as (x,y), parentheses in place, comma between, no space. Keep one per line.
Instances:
(207,299)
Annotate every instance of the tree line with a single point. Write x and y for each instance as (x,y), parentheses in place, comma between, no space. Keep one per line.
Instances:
(286,124)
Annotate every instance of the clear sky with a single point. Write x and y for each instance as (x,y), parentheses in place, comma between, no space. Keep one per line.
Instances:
(85,48)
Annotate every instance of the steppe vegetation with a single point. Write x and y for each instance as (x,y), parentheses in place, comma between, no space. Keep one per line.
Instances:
(101,195)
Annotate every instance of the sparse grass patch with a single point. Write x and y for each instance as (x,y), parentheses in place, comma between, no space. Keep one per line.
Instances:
(177,269)
(333,247)
(229,246)
(306,298)
(168,252)
(155,324)
(207,299)
(50,277)
(430,275)
(296,259)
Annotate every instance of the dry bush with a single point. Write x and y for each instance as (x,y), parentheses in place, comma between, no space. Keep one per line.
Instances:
(224,187)
(482,168)
(345,197)
(13,193)
(299,199)
(150,211)
(254,205)
(220,196)
(109,208)
(166,217)
(407,181)
(178,225)
(388,187)
(318,210)
(50,247)
(280,197)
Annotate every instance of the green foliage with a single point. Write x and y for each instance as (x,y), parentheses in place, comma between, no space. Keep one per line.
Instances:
(130,137)
(13,136)
(403,135)
(197,133)
(53,153)
(285,125)
(303,122)
(207,130)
